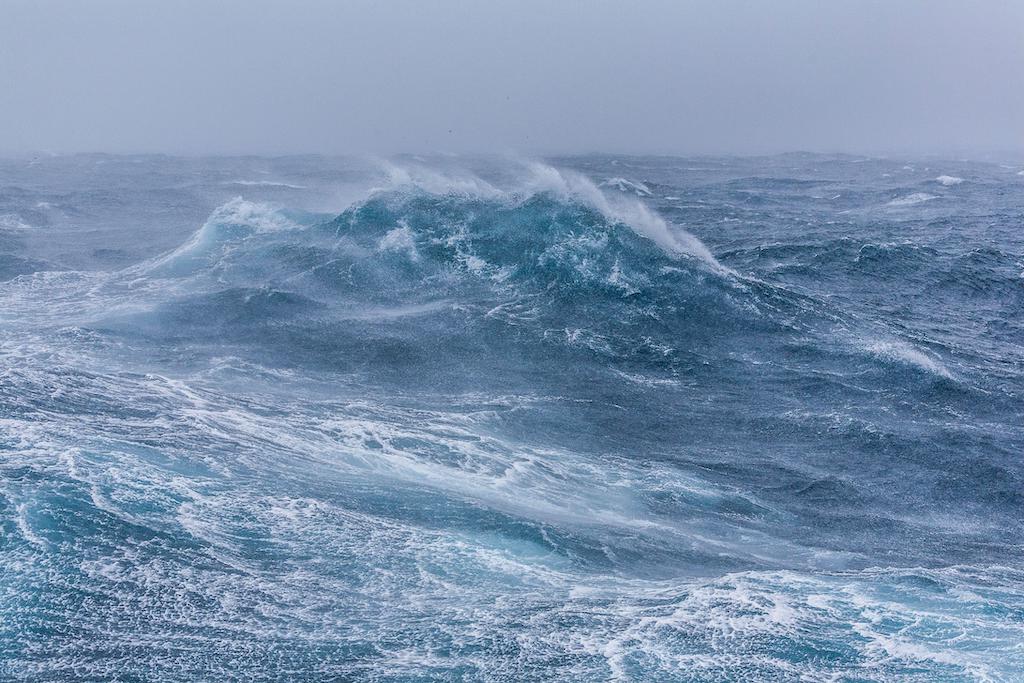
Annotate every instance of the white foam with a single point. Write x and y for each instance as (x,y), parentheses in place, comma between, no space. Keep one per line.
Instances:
(911,199)
(255,217)
(25,528)
(617,279)
(949,180)
(400,239)
(436,182)
(905,353)
(643,380)
(12,223)
(623,185)
(631,212)
(262,217)
(539,178)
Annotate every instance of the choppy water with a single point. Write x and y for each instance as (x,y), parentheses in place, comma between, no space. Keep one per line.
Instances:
(632,419)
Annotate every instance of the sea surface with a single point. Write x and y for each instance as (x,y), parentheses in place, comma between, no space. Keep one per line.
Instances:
(492,419)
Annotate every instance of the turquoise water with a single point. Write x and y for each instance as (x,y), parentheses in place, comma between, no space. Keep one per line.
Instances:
(599,418)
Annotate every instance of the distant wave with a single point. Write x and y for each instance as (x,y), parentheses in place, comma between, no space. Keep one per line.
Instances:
(13,223)
(911,199)
(265,183)
(623,185)
(904,353)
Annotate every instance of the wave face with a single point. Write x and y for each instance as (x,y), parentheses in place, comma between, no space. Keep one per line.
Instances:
(628,419)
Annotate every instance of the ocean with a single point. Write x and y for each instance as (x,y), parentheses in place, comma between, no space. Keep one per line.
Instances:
(594,418)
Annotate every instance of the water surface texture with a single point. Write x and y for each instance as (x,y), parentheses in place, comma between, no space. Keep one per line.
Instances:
(598,418)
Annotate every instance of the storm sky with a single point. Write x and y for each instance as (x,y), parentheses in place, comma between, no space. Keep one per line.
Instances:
(500,76)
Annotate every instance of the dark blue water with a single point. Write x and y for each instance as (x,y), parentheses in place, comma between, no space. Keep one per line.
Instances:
(630,419)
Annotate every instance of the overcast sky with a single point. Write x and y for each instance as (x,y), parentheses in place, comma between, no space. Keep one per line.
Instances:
(526,76)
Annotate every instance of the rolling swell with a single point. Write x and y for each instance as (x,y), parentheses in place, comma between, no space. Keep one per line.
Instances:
(459,432)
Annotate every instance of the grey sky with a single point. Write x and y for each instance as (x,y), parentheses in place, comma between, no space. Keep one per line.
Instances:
(527,76)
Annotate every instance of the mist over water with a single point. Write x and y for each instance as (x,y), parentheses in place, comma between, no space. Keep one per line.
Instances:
(448,418)
(526,76)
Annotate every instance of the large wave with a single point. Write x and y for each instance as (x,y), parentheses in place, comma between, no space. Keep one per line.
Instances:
(431,259)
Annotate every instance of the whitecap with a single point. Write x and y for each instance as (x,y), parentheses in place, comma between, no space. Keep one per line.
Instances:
(10,222)
(623,185)
(902,352)
(400,239)
(646,381)
(542,178)
(435,182)
(230,222)
(633,213)
(911,199)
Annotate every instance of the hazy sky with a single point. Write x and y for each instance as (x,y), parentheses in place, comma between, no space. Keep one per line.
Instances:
(558,76)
